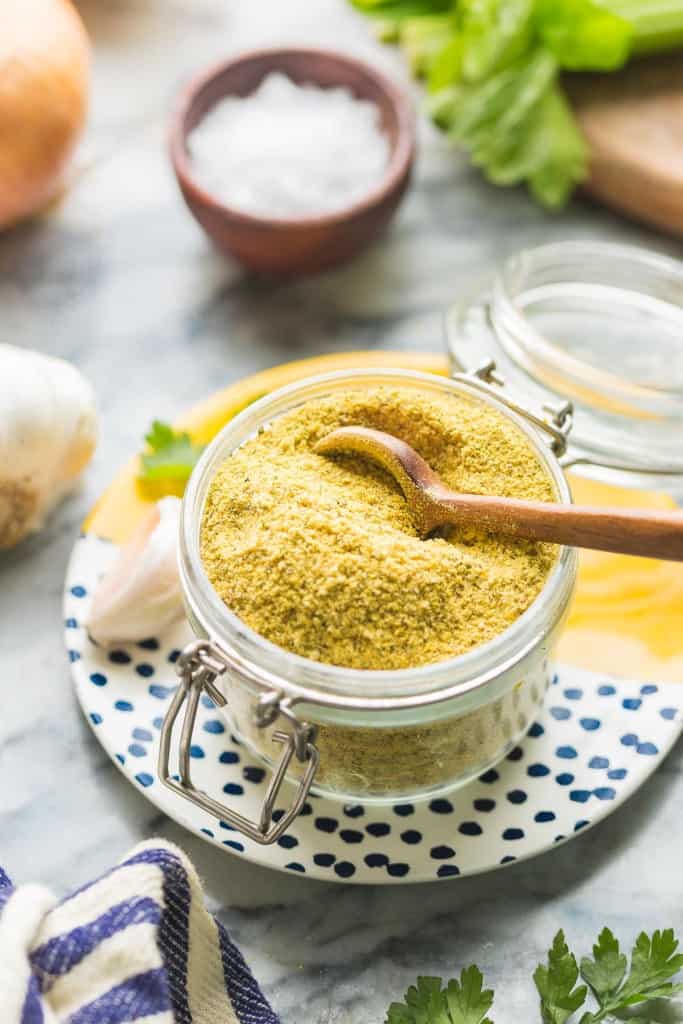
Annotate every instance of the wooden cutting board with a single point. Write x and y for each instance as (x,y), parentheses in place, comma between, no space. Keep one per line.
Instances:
(633,122)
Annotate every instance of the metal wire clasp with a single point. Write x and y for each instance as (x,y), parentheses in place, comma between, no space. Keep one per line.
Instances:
(557,423)
(198,666)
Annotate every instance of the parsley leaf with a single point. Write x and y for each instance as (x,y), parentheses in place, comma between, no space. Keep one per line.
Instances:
(461,1002)
(654,961)
(555,983)
(173,455)
(605,972)
(468,1002)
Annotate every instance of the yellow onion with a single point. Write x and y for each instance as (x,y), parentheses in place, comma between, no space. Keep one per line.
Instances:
(44,76)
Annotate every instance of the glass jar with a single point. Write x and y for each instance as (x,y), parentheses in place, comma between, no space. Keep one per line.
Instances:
(601,325)
(359,735)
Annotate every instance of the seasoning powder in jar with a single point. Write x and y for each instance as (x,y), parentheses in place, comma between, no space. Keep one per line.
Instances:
(320,556)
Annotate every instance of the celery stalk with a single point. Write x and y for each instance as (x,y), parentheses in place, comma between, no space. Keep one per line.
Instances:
(657,24)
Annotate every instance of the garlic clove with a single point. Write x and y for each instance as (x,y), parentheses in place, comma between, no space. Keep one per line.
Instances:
(48,433)
(140,595)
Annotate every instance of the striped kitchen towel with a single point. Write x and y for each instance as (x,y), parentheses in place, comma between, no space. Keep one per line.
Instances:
(136,945)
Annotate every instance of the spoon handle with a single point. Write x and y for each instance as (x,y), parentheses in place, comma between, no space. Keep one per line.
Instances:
(628,532)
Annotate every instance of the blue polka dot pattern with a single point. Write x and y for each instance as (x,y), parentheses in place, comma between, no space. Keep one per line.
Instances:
(214,726)
(233,789)
(344,869)
(350,835)
(378,829)
(398,870)
(484,805)
(326,824)
(470,828)
(354,810)
(560,714)
(79,591)
(605,792)
(513,834)
(196,751)
(611,734)
(151,644)
(441,806)
(160,692)
(120,657)
(441,852)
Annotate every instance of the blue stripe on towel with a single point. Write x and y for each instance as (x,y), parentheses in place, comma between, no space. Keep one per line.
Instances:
(6,888)
(62,953)
(32,1012)
(140,996)
(248,1001)
(174,928)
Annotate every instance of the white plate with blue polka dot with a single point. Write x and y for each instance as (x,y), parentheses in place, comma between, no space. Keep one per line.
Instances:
(597,741)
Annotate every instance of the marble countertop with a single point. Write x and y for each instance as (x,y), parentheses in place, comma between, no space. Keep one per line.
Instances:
(119,279)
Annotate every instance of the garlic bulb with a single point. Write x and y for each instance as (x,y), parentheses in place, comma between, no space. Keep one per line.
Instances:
(140,595)
(48,432)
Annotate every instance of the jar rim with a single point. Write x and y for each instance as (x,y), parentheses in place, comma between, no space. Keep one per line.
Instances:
(305,680)
(596,323)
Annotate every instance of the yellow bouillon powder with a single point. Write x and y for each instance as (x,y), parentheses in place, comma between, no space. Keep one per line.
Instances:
(320,556)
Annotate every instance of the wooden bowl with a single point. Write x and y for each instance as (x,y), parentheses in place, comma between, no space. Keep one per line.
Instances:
(298,244)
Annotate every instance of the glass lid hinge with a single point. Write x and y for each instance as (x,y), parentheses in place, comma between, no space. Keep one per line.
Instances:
(556,418)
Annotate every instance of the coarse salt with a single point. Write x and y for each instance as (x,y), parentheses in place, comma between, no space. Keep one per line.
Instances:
(290,150)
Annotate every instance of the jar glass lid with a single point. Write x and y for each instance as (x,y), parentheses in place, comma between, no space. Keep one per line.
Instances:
(595,323)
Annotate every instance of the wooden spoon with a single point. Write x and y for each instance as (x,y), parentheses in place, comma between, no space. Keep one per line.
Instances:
(432,504)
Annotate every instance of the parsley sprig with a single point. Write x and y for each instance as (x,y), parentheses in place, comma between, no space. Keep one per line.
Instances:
(606,975)
(171,455)
(460,1002)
